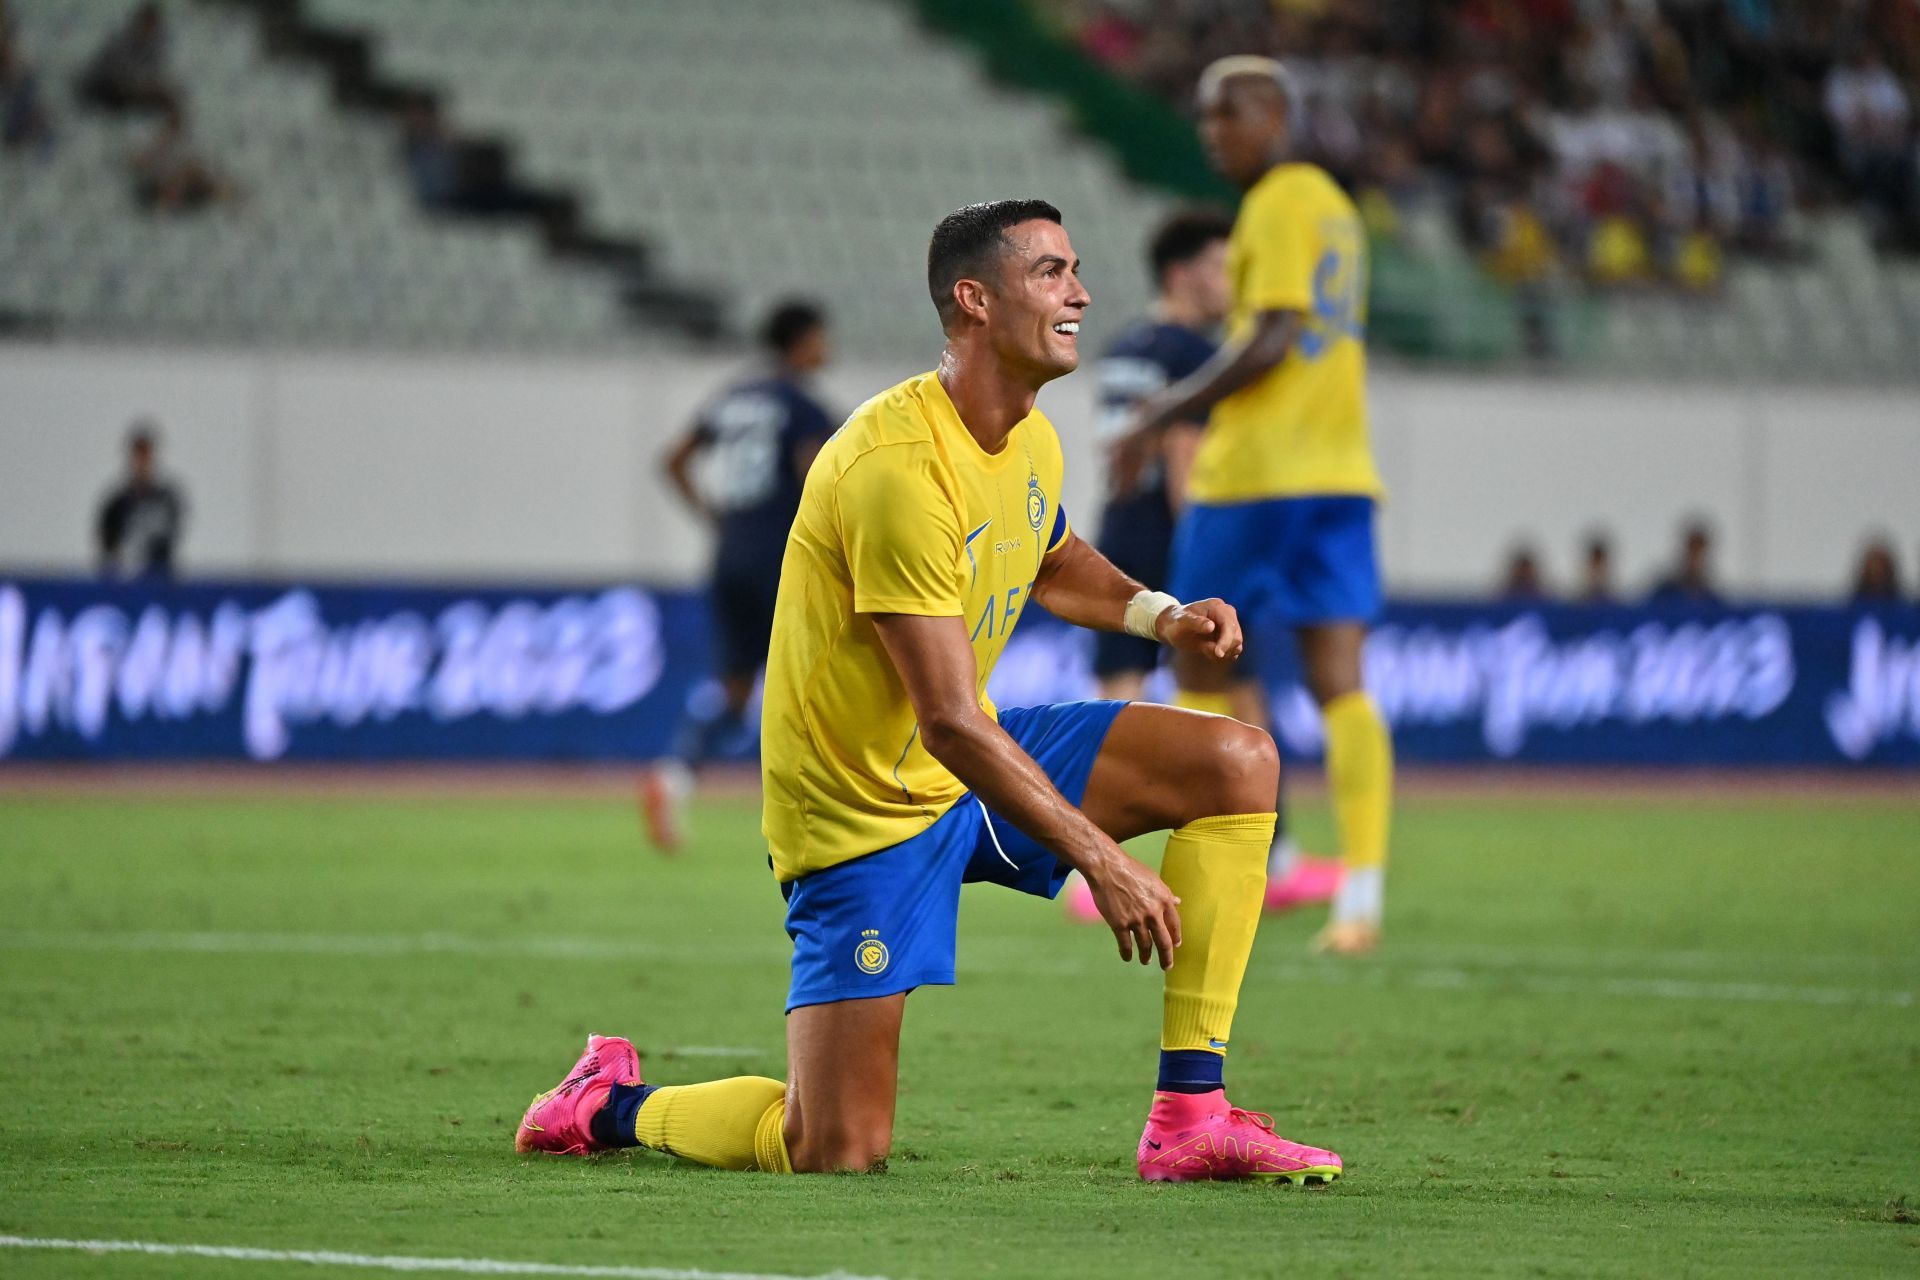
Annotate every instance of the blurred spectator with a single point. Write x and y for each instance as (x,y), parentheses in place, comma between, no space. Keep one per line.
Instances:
(129,73)
(169,176)
(24,122)
(1637,141)
(1691,579)
(1596,570)
(1766,197)
(1877,580)
(1871,117)
(1520,581)
(431,155)
(139,524)
(1111,37)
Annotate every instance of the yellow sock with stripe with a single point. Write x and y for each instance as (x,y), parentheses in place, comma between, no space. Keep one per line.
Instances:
(729,1124)
(1217,867)
(1219,704)
(1360,785)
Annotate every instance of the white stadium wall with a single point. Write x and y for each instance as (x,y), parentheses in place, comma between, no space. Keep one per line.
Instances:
(519,467)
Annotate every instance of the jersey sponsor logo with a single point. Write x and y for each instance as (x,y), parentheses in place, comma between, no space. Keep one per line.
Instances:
(997,617)
(870,955)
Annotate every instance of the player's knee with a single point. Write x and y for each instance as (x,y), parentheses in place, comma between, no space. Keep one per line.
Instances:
(1244,769)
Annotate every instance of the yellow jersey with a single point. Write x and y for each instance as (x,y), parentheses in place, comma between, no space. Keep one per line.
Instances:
(902,512)
(1301,429)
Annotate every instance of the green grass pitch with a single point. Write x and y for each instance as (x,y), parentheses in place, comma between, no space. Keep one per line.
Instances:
(1606,1037)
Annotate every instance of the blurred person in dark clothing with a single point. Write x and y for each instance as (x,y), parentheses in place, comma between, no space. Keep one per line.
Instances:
(1188,258)
(1691,579)
(139,524)
(431,155)
(129,72)
(741,466)
(1872,124)
(1877,580)
(1596,570)
(24,121)
(1520,581)
(169,176)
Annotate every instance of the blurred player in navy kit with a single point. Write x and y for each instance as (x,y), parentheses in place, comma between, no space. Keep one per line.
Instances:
(740,466)
(1188,258)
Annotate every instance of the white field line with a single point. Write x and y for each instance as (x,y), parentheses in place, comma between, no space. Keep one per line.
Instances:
(1514,974)
(395,1262)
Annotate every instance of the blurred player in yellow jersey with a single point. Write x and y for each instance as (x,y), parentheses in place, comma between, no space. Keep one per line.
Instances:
(1280,521)
(927,524)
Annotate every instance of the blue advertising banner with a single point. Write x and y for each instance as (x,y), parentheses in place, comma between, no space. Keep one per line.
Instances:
(209,671)
(270,672)
(1564,684)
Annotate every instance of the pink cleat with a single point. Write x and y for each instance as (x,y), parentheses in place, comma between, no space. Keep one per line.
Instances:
(1309,880)
(1080,905)
(1201,1137)
(662,792)
(561,1119)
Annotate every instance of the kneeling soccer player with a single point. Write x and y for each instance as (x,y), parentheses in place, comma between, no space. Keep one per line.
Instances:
(927,524)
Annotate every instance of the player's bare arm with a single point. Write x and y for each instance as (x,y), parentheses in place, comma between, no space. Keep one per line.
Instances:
(1178,445)
(678,468)
(1079,585)
(935,660)
(1234,367)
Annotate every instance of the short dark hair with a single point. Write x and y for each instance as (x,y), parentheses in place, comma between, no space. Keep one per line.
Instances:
(789,322)
(1184,236)
(968,240)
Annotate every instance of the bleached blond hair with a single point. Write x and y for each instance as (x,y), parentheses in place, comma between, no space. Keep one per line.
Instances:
(1252,66)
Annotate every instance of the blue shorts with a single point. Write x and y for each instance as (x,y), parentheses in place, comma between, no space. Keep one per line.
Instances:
(884,922)
(1282,561)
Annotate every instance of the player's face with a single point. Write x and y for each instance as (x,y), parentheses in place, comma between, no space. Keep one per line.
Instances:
(1036,323)
(812,350)
(1241,129)
(1211,294)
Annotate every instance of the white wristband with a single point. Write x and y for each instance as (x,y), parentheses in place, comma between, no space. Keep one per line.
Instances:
(1144,610)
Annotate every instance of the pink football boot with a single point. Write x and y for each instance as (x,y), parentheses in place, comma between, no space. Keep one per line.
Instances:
(662,791)
(1078,898)
(1309,880)
(561,1119)
(1201,1137)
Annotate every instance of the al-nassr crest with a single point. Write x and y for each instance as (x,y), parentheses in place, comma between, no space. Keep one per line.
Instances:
(871,955)
(1036,502)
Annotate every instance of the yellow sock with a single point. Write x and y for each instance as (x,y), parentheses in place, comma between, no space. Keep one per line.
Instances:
(1219,704)
(1360,777)
(1217,867)
(729,1124)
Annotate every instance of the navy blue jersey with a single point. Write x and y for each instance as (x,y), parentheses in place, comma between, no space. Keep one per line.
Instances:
(1148,356)
(750,435)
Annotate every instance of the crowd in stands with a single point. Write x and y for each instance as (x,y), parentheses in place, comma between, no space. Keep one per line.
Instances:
(25,124)
(1626,142)
(128,75)
(1689,580)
